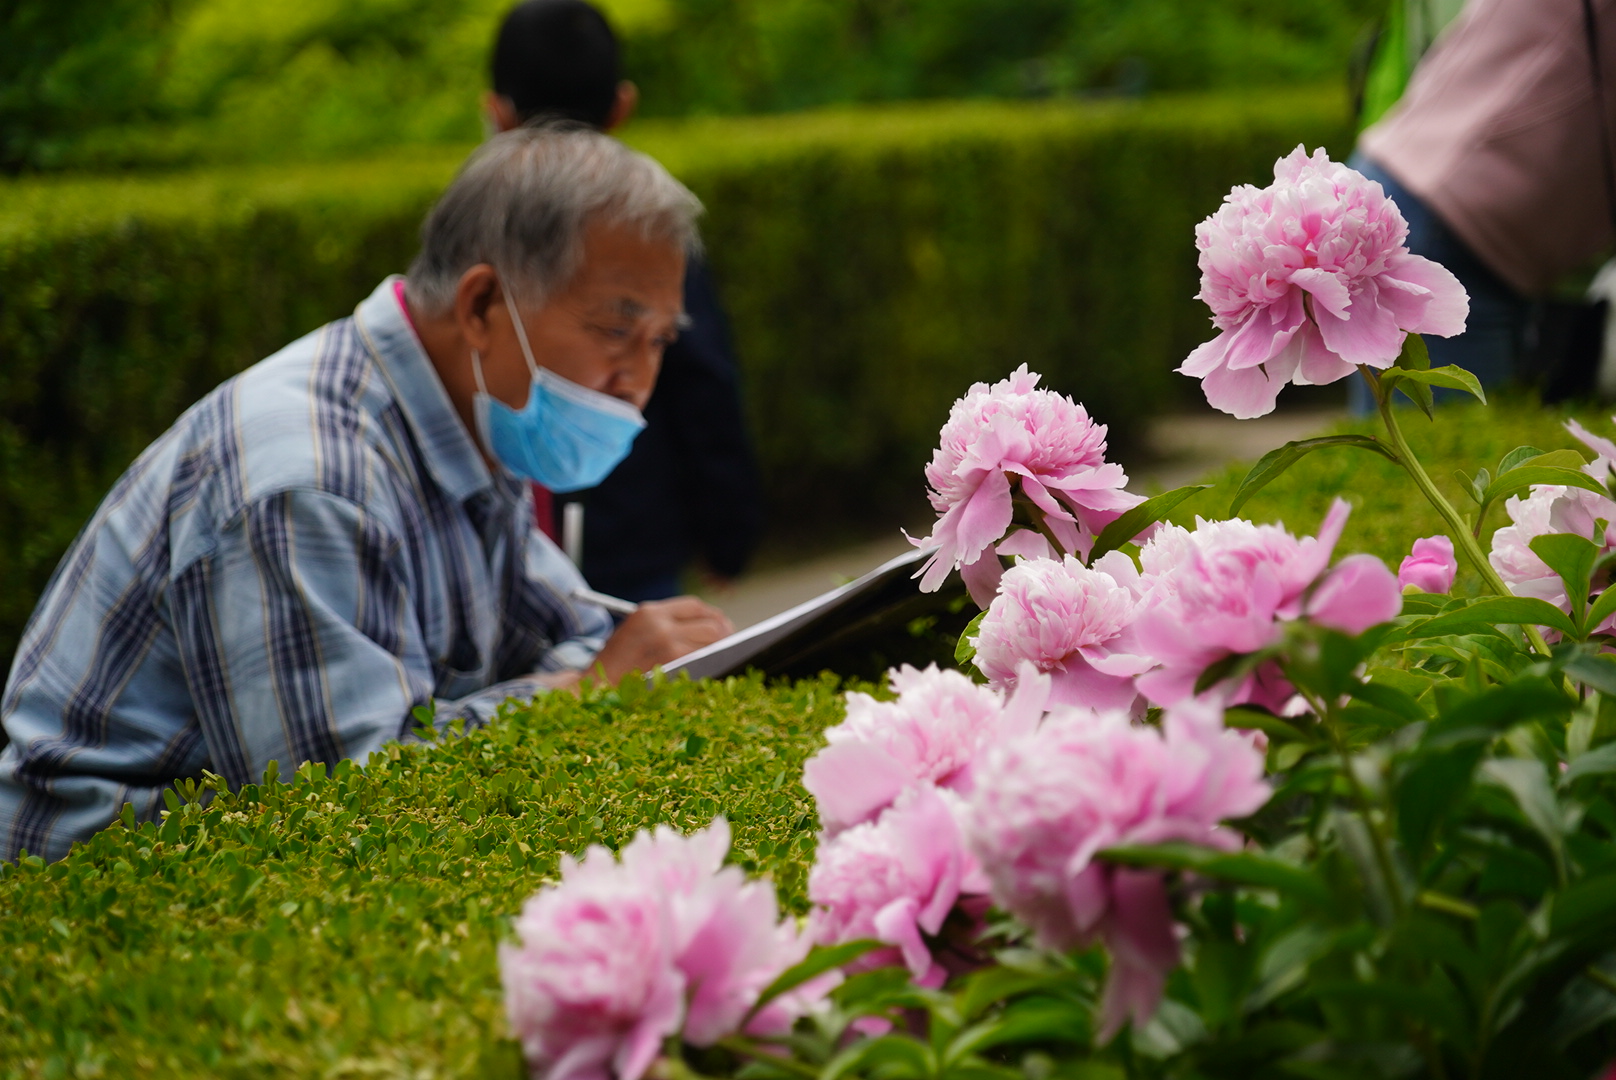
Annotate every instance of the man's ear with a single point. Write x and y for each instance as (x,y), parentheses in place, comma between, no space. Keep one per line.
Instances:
(476,297)
(501,112)
(628,99)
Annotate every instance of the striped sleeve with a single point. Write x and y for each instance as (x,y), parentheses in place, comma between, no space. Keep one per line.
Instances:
(300,639)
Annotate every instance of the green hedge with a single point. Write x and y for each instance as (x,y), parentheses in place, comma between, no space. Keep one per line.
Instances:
(345,926)
(875,262)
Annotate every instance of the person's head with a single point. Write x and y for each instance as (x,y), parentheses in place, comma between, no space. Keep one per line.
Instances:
(590,239)
(558,58)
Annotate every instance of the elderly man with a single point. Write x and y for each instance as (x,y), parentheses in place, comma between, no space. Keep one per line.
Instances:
(342,533)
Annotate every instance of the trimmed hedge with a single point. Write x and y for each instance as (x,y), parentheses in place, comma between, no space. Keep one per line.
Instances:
(345,925)
(875,263)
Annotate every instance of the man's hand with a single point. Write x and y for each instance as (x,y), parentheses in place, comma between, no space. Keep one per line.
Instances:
(660,632)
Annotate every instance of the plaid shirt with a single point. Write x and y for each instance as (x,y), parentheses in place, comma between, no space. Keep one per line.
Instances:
(313,550)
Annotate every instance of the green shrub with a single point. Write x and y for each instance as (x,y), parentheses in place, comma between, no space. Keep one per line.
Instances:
(875,263)
(122,83)
(345,925)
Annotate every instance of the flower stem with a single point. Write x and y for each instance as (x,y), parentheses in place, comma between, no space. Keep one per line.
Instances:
(1378,843)
(1458,531)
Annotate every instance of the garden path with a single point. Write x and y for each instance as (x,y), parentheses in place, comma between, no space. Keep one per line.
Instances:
(1182,448)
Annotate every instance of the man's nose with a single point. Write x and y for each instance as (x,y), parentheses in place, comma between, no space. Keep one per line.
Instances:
(636,378)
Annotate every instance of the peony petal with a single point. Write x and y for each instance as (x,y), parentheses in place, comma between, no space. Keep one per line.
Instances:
(852,782)
(1327,289)
(1359,593)
(1082,686)
(1027,703)
(1245,394)
(1315,364)
(1444,307)
(985,516)
(1026,544)
(982,577)
(1207,357)
(895,925)
(1601,446)
(1144,949)
(1369,333)
(1265,332)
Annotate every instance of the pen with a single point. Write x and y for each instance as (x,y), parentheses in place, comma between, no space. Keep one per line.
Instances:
(610,603)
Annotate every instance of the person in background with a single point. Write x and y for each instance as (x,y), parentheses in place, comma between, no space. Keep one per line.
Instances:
(1498,155)
(690,490)
(342,534)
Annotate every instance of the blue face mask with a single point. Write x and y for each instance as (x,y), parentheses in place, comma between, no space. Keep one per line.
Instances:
(567,437)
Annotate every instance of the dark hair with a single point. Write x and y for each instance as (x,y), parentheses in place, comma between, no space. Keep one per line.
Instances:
(557,58)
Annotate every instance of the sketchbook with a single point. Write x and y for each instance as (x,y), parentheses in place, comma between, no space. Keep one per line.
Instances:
(799,640)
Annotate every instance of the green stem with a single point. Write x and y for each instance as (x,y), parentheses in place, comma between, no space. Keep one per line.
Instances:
(1458,531)
(736,1044)
(1383,855)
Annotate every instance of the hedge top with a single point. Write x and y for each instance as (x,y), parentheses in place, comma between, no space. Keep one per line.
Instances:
(34,211)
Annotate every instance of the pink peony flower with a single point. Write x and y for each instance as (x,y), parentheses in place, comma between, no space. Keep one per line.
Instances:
(1430,566)
(1047,803)
(1072,621)
(620,955)
(895,879)
(932,734)
(729,940)
(1007,435)
(592,991)
(1549,508)
(1227,587)
(1307,279)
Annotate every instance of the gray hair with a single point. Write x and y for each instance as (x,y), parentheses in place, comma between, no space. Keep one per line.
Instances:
(521,204)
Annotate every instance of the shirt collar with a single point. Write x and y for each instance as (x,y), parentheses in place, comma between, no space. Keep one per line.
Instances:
(446,445)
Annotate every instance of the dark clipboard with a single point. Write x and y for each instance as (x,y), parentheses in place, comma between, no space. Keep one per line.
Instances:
(872,622)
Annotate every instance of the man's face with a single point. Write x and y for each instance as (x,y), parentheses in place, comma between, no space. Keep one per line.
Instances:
(606,329)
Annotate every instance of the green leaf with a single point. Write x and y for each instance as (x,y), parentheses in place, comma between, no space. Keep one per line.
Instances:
(991,985)
(896,1056)
(1140,518)
(1034,1019)
(1518,456)
(1484,716)
(1603,608)
(1527,781)
(1389,698)
(1598,672)
(1597,762)
(964,651)
(1587,904)
(1449,378)
(1572,557)
(822,959)
(1432,784)
(1274,463)
(1519,610)
(1414,356)
(1527,475)
(1267,723)
(1240,868)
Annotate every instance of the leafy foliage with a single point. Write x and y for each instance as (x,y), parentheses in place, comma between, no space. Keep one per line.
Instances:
(873,262)
(345,925)
(170,82)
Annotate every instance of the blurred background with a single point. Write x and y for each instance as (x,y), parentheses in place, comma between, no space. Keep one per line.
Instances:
(904,196)
(110,84)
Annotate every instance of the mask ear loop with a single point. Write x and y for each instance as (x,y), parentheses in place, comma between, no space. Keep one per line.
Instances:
(521,332)
(477,372)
